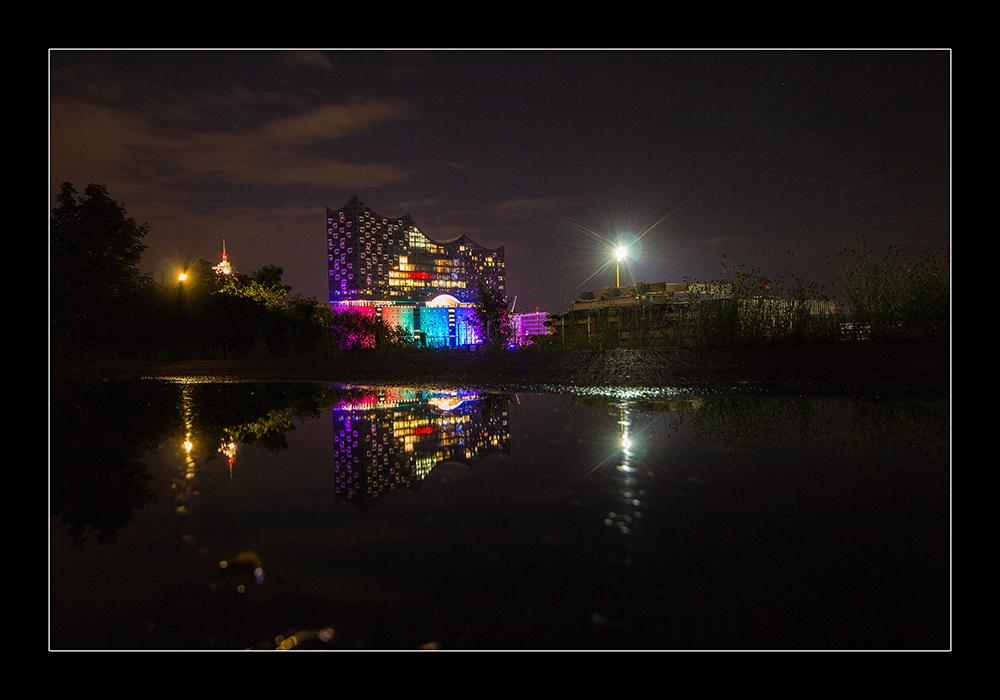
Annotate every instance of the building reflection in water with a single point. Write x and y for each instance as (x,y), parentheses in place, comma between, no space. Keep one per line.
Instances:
(391,438)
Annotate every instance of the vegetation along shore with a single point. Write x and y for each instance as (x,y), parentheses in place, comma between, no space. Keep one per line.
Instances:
(889,336)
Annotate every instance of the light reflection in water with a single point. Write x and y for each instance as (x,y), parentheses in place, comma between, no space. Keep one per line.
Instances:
(836,536)
(626,515)
(185,488)
(392,437)
(183,484)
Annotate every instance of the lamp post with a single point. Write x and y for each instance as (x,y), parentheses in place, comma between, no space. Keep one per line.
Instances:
(619,256)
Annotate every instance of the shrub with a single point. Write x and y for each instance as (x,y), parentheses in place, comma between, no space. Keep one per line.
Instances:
(894,297)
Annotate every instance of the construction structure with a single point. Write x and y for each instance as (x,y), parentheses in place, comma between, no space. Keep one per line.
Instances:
(666,313)
(643,313)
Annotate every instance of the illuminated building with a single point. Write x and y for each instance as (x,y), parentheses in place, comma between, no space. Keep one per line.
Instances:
(391,438)
(527,325)
(388,267)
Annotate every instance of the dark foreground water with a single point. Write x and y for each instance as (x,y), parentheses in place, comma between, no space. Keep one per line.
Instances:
(189,516)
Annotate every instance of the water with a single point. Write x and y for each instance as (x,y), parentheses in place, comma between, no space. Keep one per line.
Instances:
(200,515)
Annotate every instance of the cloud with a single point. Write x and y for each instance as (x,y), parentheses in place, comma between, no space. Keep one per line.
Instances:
(335,121)
(534,206)
(100,144)
(425,203)
(275,153)
(86,136)
(314,59)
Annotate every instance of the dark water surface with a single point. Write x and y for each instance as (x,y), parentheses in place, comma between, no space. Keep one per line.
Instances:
(200,515)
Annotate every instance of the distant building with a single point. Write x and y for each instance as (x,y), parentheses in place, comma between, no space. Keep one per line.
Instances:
(379,265)
(645,312)
(652,313)
(224,268)
(527,325)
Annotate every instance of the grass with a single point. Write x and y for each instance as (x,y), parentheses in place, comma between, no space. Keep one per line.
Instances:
(891,297)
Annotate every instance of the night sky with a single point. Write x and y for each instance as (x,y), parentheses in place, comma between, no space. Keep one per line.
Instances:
(778,159)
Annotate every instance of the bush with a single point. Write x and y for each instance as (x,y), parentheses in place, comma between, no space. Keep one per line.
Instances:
(354,330)
(895,297)
(746,308)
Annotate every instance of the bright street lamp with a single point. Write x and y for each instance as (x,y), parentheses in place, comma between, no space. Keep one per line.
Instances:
(619,256)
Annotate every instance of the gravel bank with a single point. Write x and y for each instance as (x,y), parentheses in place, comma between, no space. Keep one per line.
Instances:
(864,370)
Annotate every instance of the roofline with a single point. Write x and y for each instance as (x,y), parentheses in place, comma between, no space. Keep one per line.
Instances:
(407,218)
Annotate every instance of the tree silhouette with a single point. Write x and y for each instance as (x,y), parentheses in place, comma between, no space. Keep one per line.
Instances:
(94,253)
(493,321)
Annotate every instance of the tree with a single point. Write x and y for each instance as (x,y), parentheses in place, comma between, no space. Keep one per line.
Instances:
(94,253)
(493,321)
(267,295)
(269,277)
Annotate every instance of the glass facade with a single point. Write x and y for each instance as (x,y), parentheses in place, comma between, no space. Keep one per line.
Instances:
(388,266)
(392,438)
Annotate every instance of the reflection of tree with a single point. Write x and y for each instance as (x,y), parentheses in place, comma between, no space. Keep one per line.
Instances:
(270,430)
(808,514)
(882,427)
(99,434)
(752,423)
(258,412)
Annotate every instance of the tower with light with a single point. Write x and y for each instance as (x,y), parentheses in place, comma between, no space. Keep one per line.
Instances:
(223,268)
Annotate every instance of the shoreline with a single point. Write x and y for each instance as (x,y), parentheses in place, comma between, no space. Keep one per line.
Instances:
(848,369)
